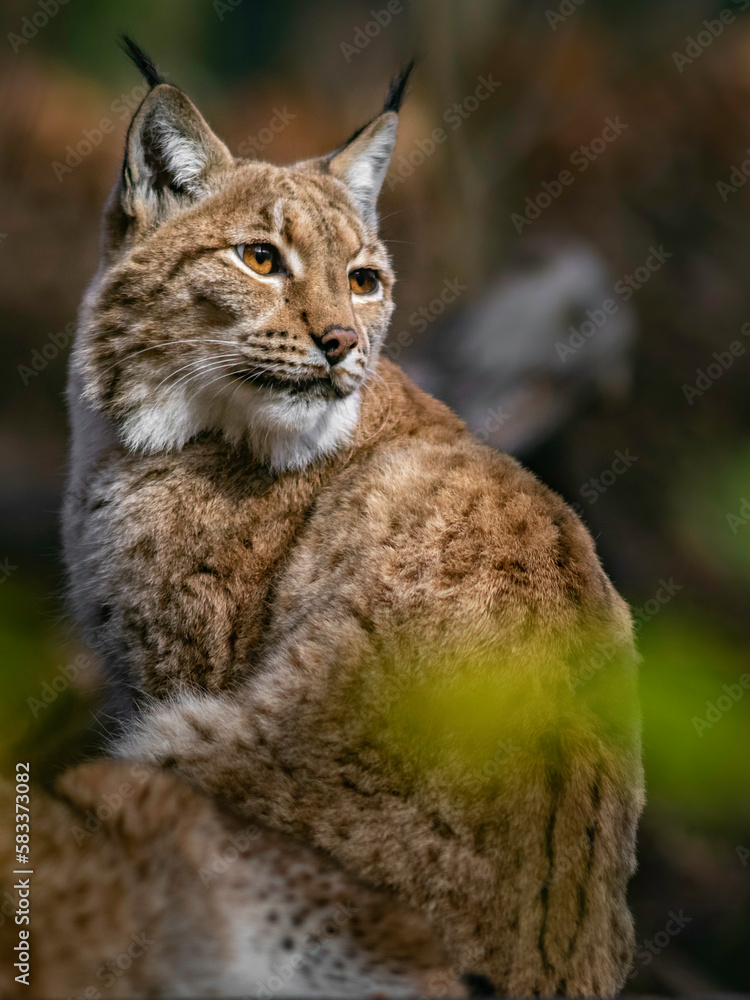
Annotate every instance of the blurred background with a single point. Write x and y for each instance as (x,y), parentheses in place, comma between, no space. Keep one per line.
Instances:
(569,218)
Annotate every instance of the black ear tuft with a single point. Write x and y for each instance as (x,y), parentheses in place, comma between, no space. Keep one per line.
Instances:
(142,62)
(393,101)
(397,90)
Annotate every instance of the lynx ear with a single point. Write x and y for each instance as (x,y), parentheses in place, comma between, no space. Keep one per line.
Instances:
(170,149)
(363,162)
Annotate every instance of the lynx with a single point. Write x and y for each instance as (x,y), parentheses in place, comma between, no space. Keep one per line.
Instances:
(317,596)
(142,887)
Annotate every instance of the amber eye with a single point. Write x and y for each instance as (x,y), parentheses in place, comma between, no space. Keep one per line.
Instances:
(363,281)
(261,257)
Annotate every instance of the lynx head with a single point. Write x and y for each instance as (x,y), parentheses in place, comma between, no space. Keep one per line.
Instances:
(235,295)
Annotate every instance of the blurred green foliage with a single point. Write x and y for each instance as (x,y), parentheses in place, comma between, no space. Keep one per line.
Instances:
(700,773)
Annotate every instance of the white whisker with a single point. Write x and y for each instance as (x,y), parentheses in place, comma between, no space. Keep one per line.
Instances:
(168,343)
(206,369)
(191,364)
(202,388)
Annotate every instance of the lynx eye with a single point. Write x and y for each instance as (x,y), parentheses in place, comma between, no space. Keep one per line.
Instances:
(363,281)
(263,258)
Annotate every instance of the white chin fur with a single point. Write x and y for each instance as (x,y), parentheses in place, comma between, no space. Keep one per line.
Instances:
(284,432)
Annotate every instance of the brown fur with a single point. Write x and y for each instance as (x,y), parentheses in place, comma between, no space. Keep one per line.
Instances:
(389,633)
(142,888)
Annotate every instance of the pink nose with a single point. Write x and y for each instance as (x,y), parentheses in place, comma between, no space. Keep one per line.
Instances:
(336,342)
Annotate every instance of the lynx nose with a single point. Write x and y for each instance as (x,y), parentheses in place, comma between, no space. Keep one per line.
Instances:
(336,342)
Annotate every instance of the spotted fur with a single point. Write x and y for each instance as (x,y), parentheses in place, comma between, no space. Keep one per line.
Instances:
(366,629)
(143,888)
